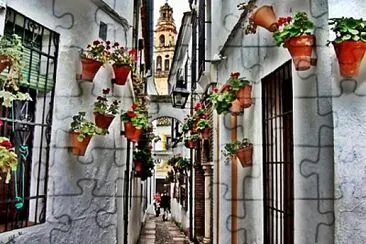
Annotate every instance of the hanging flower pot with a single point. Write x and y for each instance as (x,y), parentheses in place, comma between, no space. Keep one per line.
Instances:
(205,133)
(103,120)
(131,132)
(235,108)
(244,95)
(349,55)
(265,17)
(4,62)
(137,164)
(245,155)
(300,48)
(79,147)
(191,144)
(89,68)
(121,74)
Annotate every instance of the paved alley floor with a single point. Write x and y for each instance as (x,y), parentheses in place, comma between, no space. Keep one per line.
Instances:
(157,231)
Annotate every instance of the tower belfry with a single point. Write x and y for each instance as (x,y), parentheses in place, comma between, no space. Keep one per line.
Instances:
(164,46)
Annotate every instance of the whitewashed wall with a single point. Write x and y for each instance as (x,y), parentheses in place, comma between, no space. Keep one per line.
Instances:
(255,56)
(85,194)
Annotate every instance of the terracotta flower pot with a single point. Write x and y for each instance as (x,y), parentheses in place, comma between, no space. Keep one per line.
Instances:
(350,55)
(190,144)
(79,148)
(300,48)
(244,95)
(235,108)
(245,156)
(131,132)
(265,17)
(137,165)
(89,68)
(103,120)
(4,62)
(205,133)
(121,74)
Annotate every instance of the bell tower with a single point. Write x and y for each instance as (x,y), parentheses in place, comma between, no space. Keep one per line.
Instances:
(164,46)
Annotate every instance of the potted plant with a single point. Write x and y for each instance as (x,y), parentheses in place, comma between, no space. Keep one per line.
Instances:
(190,141)
(104,113)
(242,150)
(295,34)
(242,89)
(222,100)
(135,121)
(349,44)
(95,55)
(8,158)
(81,132)
(183,165)
(11,53)
(122,60)
(262,16)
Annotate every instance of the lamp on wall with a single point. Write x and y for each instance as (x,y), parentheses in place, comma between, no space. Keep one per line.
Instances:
(180,93)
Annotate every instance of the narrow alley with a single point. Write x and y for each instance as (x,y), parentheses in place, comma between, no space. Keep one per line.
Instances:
(158,231)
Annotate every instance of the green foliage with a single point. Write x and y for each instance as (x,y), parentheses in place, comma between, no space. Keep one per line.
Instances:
(144,155)
(203,123)
(8,97)
(8,158)
(12,49)
(192,137)
(299,25)
(101,106)
(121,56)
(233,147)
(348,29)
(136,115)
(84,127)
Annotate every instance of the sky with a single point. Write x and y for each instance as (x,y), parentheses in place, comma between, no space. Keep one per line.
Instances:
(179,7)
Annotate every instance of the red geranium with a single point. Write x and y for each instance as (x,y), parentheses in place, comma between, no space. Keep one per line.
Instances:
(6,144)
(215,89)
(197,106)
(131,114)
(134,106)
(226,87)
(235,75)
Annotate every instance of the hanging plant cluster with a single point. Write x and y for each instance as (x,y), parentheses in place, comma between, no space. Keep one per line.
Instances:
(11,57)
(180,167)
(105,52)
(243,150)
(142,157)
(260,16)
(349,44)
(296,34)
(233,96)
(8,158)
(81,132)
(196,127)
(135,120)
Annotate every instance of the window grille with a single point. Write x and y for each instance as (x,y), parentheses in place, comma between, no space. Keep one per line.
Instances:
(278,156)
(28,125)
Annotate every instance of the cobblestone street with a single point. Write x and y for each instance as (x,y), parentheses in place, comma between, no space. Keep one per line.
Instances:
(161,232)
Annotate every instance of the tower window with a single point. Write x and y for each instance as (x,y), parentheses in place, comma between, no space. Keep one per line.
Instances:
(158,63)
(166,64)
(162,40)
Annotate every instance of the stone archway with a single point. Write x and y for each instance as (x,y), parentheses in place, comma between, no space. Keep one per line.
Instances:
(161,106)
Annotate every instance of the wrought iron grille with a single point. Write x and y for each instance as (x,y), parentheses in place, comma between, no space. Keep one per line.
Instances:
(278,156)
(28,125)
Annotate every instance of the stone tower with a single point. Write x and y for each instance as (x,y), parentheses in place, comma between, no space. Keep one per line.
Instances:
(164,45)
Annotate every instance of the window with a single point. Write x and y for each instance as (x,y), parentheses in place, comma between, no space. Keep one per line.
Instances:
(28,125)
(278,159)
(103,27)
(158,63)
(162,40)
(166,65)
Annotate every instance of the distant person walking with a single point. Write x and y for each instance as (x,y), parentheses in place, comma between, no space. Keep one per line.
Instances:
(165,204)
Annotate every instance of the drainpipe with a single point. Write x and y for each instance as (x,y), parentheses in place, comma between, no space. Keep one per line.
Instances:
(127,186)
(193,87)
